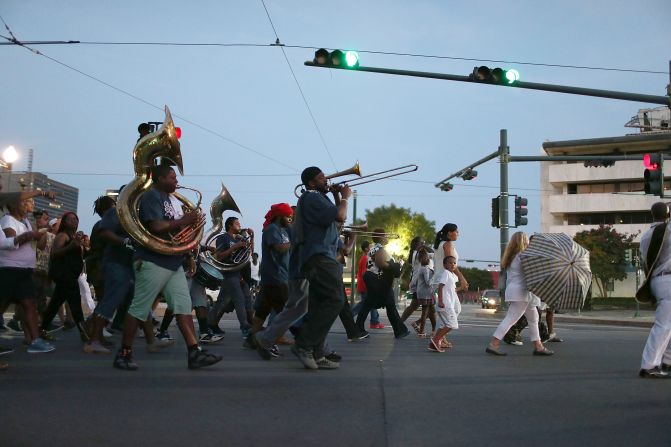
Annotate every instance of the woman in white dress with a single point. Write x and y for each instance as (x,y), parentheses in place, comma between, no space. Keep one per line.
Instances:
(444,245)
(520,300)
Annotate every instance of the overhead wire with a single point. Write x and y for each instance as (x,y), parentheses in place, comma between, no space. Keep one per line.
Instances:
(305,101)
(142,100)
(364,51)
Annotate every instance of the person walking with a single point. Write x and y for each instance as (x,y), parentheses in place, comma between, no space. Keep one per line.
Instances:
(656,255)
(521,301)
(317,239)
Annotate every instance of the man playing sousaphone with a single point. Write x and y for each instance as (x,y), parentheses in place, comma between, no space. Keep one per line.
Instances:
(161,273)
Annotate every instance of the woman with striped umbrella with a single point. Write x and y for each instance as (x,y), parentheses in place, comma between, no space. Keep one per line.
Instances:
(520,300)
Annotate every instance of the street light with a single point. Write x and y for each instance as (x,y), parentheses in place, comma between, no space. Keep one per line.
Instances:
(9,156)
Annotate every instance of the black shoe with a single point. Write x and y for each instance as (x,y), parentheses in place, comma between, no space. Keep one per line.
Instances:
(249,342)
(217,330)
(334,357)
(544,351)
(126,362)
(275,351)
(360,336)
(654,373)
(199,358)
(495,351)
(403,334)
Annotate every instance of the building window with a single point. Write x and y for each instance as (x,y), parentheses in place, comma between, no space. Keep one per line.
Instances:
(571,188)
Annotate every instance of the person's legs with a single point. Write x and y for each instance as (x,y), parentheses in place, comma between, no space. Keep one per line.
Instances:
(295,307)
(347,319)
(234,291)
(422,321)
(390,304)
(660,335)
(324,302)
(515,310)
(414,304)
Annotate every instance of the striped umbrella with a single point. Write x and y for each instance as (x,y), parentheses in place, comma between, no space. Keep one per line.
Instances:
(557,269)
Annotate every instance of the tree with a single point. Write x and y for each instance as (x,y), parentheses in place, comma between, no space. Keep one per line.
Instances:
(606,254)
(478,279)
(403,222)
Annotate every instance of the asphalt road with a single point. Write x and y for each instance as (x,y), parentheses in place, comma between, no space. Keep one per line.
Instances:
(387,393)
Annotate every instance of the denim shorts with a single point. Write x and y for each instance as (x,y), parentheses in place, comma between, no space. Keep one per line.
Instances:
(119,284)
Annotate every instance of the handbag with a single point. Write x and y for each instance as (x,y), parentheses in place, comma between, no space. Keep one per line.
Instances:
(644,293)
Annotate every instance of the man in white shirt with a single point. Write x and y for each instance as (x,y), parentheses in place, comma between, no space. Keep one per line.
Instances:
(656,359)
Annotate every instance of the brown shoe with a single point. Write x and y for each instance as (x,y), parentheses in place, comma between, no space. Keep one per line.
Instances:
(284,340)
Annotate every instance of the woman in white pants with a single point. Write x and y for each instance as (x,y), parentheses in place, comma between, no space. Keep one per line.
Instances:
(520,300)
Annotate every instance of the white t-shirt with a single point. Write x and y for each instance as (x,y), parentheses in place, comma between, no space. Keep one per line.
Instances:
(177,206)
(449,281)
(255,270)
(438,257)
(24,256)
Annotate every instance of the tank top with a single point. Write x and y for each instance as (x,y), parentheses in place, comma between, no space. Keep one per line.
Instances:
(438,256)
(67,267)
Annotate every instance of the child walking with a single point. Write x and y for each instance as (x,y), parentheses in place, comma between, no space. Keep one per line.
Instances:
(448,307)
(423,288)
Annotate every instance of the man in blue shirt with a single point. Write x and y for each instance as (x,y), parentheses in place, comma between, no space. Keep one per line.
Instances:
(231,289)
(317,239)
(274,270)
(158,273)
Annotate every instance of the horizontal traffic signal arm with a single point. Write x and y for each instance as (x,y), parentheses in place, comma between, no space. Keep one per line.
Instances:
(624,96)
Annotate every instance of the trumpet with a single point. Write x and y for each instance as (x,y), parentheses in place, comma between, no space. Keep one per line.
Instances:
(362,230)
(362,180)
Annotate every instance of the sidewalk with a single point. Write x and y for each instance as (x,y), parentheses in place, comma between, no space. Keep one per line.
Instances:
(644,319)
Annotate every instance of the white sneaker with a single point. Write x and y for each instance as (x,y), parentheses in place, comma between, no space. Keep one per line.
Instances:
(159,345)
(95,347)
(516,343)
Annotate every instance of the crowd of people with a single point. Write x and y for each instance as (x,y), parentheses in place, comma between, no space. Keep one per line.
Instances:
(296,288)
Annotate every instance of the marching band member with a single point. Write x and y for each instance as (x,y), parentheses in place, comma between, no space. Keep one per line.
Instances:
(158,273)
(317,239)
(228,244)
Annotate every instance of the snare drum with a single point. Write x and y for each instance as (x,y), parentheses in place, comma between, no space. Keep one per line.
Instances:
(208,275)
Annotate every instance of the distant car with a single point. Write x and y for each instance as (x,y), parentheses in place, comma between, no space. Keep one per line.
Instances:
(490,299)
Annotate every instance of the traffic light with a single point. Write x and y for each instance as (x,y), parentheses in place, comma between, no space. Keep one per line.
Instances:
(446,187)
(495,76)
(495,213)
(469,174)
(654,174)
(336,58)
(627,255)
(521,211)
(599,163)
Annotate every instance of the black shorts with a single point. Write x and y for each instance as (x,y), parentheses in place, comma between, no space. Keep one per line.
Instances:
(16,284)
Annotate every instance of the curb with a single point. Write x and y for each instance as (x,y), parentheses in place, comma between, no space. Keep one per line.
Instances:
(559,318)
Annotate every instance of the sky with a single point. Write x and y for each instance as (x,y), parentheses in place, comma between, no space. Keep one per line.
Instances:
(244,116)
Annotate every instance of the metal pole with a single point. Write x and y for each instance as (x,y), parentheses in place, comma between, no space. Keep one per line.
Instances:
(638,272)
(503,205)
(352,256)
(625,96)
(503,199)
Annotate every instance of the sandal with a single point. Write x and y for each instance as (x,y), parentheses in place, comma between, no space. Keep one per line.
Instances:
(544,351)
(445,344)
(415,326)
(422,335)
(433,346)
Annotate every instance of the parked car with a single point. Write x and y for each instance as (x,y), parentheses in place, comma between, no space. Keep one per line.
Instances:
(490,299)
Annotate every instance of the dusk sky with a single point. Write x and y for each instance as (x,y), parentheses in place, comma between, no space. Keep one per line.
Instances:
(245,123)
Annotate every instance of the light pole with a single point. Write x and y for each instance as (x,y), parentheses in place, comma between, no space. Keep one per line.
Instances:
(9,156)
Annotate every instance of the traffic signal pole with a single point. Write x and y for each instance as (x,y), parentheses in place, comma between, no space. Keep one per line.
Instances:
(624,96)
(504,158)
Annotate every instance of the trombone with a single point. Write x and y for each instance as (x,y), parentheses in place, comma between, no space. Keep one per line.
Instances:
(355,170)
(362,230)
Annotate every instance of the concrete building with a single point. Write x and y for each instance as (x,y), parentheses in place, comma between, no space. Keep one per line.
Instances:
(576,198)
(66,199)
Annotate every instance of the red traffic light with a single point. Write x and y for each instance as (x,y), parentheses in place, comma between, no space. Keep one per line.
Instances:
(651,161)
(178,132)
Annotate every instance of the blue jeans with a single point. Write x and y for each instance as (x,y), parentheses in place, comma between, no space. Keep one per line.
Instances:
(374,314)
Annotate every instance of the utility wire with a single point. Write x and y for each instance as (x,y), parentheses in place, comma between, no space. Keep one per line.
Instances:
(137,98)
(305,101)
(311,47)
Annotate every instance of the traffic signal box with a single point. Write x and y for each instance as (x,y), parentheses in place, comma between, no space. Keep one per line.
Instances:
(497,75)
(336,58)
(521,211)
(654,174)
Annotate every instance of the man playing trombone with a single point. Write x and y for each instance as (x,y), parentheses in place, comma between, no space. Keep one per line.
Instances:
(317,239)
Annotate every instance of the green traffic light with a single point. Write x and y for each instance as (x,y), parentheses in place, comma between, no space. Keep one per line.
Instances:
(512,76)
(351,59)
